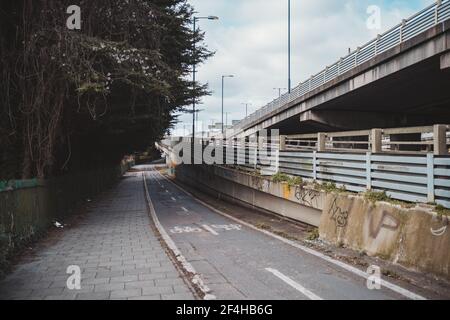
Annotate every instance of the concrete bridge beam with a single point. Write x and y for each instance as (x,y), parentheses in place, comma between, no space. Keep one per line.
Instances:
(341,120)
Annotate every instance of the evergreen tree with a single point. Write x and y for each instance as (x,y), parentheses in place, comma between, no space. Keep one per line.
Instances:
(81,99)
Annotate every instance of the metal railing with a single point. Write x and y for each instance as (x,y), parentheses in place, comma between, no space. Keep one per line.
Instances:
(407,29)
(414,140)
(423,179)
(409,164)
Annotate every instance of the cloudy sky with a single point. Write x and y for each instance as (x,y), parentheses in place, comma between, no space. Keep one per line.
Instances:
(250,41)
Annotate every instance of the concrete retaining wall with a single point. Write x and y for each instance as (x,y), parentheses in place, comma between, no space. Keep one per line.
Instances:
(297,203)
(416,238)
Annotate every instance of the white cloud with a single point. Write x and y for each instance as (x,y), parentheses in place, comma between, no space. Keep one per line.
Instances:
(251,42)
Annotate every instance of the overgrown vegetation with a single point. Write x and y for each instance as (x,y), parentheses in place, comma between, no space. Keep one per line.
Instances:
(313,234)
(82,99)
(442,211)
(280,177)
(290,180)
(374,196)
(329,187)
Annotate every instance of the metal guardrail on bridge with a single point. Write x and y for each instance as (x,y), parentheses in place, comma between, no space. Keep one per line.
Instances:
(418,23)
(359,160)
(413,140)
(423,179)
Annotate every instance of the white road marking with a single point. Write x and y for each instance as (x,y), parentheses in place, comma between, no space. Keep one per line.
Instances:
(229,227)
(349,268)
(173,199)
(209,229)
(167,191)
(294,284)
(188,229)
(184,209)
(188,268)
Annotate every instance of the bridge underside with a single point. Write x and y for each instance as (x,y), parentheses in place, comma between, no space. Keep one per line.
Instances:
(417,95)
(407,85)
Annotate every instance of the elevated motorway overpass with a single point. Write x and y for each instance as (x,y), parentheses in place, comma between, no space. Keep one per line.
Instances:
(399,79)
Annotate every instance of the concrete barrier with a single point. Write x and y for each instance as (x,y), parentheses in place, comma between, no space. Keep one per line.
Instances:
(416,238)
(294,202)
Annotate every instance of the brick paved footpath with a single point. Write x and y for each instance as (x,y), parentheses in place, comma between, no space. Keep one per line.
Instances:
(116,249)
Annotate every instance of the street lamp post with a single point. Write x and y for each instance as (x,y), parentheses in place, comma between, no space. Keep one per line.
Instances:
(194,71)
(289,46)
(226,119)
(223,84)
(246,108)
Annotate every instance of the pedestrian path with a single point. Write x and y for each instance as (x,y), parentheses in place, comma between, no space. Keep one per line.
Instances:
(116,251)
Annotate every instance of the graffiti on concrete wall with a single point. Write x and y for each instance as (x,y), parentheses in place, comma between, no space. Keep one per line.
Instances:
(387,221)
(307,196)
(257,183)
(439,232)
(338,215)
(439,226)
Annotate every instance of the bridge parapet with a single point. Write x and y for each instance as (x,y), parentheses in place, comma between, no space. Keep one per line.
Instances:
(356,160)
(413,140)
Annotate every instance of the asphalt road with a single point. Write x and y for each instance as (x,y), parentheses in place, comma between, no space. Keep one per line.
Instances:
(238,262)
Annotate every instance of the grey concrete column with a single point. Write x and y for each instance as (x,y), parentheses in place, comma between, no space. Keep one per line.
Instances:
(321,139)
(440,140)
(282,143)
(377,140)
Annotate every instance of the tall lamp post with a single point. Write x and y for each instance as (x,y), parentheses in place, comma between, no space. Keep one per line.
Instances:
(194,67)
(223,85)
(226,119)
(246,108)
(289,46)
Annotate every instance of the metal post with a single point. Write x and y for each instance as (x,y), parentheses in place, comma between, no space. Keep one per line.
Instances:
(289,46)
(223,77)
(402,27)
(436,12)
(315,165)
(430,177)
(369,170)
(193,85)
